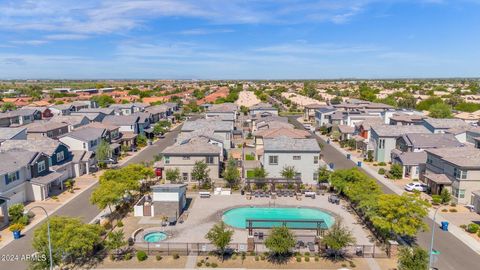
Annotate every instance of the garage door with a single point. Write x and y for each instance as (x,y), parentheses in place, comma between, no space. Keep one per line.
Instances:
(19,197)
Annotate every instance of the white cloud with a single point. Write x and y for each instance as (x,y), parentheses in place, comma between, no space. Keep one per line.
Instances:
(204,31)
(66,37)
(34,42)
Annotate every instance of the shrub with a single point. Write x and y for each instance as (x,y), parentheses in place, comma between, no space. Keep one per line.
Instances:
(344,265)
(176,256)
(352,264)
(141,255)
(478,234)
(207,264)
(473,228)
(463,226)
(444,210)
(120,223)
(436,199)
(317,258)
(375,164)
(453,204)
(214,265)
(307,259)
(244,255)
(257,258)
(307,254)
(262,257)
(252,253)
(453,210)
(234,257)
(382,163)
(381,171)
(199,264)
(128,256)
(16,227)
(158,257)
(299,259)
(446,196)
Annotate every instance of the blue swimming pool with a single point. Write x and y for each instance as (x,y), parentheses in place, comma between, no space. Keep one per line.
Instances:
(237,217)
(154,237)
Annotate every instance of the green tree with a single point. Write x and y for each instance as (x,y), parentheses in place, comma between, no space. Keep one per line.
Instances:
(220,236)
(161,127)
(231,173)
(8,106)
(107,194)
(440,110)
(415,258)
(103,100)
(289,172)
(401,215)
(425,105)
(280,241)
(260,173)
(72,241)
(141,140)
(338,238)
(396,171)
(172,175)
(323,174)
(200,173)
(445,196)
(115,241)
(16,214)
(103,151)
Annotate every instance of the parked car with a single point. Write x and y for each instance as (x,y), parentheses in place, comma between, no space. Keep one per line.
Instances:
(416,186)
(307,126)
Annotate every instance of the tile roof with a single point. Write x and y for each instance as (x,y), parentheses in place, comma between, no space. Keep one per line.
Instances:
(224,107)
(285,144)
(8,133)
(44,126)
(412,158)
(121,120)
(10,161)
(69,119)
(288,132)
(193,146)
(430,140)
(398,130)
(86,133)
(445,123)
(460,156)
(214,124)
(43,145)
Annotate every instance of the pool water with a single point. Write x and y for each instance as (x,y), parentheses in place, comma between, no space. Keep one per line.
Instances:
(237,217)
(154,237)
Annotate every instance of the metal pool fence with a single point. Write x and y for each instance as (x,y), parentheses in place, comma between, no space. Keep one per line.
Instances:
(172,248)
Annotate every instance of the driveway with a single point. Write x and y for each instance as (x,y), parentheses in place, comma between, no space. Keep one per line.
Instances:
(86,212)
(454,254)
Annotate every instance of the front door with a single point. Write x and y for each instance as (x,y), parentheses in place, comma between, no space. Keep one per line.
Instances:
(147,210)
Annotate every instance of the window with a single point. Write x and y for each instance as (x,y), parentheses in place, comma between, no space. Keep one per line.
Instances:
(209,160)
(49,134)
(315,176)
(273,160)
(41,166)
(93,143)
(429,160)
(185,177)
(297,157)
(60,156)
(9,178)
(315,160)
(458,193)
(298,175)
(460,174)
(381,143)
(186,158)
(167,160)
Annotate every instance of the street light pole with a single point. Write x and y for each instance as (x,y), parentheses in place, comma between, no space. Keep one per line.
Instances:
(434,224)
(48,233)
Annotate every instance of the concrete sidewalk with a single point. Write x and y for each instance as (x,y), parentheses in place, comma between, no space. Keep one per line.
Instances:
(456,231)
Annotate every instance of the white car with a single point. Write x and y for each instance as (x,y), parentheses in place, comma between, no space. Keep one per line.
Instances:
(416,186)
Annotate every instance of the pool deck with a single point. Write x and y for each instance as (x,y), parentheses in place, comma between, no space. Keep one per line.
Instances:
(205,212)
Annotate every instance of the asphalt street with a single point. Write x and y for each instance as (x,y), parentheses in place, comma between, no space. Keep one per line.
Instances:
(454,254)
(79,207)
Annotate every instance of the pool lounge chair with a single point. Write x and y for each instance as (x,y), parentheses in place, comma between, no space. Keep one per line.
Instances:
(311,246)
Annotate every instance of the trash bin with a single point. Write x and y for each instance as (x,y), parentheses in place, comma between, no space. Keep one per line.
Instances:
(348,156)
(331,165)
(359,164)
(444,226)
(16,234)
(328,141)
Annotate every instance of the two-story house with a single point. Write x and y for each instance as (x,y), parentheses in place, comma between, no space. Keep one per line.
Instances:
(73,121)
(62,109)
(126,123)
(45,112)
(18,117)
(263,109)
(184,154)
(19,133)
(224,111)
(457,169)
(383,139)
(220,128)
(84,139)
(302,154)
(46,129)
(437,125)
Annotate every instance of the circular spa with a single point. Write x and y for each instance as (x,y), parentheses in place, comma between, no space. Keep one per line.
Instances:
(154,237)
(275,217)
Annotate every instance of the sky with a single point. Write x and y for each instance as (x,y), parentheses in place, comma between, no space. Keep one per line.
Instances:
(234,39)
